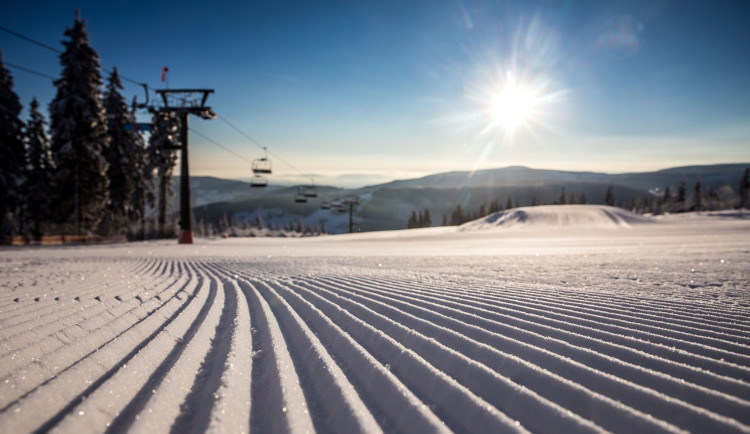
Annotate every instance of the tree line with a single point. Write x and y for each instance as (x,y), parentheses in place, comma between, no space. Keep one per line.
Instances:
(657,201)
(82,172)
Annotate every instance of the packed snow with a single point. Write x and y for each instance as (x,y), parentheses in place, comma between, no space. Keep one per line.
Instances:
(557,216)
(574,328)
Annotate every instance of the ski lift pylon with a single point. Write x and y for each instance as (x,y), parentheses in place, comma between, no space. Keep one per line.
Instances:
(262,166)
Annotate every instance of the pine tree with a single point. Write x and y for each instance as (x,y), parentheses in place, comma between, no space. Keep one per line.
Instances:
(509,203)
(427,220)
(582,199)
(712,198)
(681,197)
(458,217)
(744,200)
(697,202)
(482,210)
(412,222)
(125,156)
(162,159)
(667,199)
(495,206)
(609,197)
(12,155)
(561,200)
(79,134)
(40,172)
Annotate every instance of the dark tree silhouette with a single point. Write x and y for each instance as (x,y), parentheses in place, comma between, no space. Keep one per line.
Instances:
(12,155)
(79,134)
(40,173)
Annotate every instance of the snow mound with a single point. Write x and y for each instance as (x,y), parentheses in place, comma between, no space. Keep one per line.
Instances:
(558,216)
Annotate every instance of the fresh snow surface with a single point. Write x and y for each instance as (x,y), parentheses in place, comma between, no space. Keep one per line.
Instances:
(429,330)
(558,216)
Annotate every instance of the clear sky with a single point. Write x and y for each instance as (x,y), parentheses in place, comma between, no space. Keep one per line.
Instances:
(394,89)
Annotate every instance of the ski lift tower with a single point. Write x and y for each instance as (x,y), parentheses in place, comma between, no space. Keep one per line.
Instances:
(184,102)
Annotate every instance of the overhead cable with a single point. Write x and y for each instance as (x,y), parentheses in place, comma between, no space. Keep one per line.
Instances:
(58,51)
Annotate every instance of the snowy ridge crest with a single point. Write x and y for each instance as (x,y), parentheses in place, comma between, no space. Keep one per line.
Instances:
(558,216)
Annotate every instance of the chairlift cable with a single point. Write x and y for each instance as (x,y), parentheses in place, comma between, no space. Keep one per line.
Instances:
(33,41)
(30,71)
(58,51)
(147,87)
(247,136)
(193,130)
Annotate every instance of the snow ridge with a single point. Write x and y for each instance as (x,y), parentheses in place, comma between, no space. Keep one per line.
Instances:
(558,216)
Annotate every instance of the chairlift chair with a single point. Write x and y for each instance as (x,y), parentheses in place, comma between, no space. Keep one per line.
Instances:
(325,205)
(300,197)
(310,190)
(262,166)
(259,181)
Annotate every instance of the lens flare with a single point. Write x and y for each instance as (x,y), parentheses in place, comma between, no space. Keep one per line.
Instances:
(512,106)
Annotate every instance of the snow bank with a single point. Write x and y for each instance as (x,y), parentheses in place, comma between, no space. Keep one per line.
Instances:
(558,216)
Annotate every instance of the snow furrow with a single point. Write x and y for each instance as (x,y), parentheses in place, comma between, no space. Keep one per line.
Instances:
(30,332)
(612,301)
(673,334)
(525,330)
(331,392)
(277,401)
(460,336)
(184,394)
(526,407)
(65,389)
(81,332)
(702,356)
(379,384)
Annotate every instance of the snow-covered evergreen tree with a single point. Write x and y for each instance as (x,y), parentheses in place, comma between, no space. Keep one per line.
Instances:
(79,134)
(162,159)
(125,157)
(40,171)
(12,156)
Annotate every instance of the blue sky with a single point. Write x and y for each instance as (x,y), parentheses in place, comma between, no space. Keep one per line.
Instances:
(394,89)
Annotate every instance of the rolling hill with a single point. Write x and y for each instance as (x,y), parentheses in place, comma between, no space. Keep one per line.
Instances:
(388,206)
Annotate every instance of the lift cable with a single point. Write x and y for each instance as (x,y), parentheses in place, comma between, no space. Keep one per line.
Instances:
(146,86)
(30,71)
(193,130)
(58,51)
(33,41)
(247,136)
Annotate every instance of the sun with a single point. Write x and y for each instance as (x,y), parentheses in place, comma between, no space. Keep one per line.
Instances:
(512,106)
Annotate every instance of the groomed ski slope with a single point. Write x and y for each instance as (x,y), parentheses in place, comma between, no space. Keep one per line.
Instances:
(641,328)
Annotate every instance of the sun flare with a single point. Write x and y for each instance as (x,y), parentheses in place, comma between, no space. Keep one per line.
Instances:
(512,106)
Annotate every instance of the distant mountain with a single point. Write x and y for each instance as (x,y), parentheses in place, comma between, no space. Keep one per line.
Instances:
(524,176)
(388,206)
